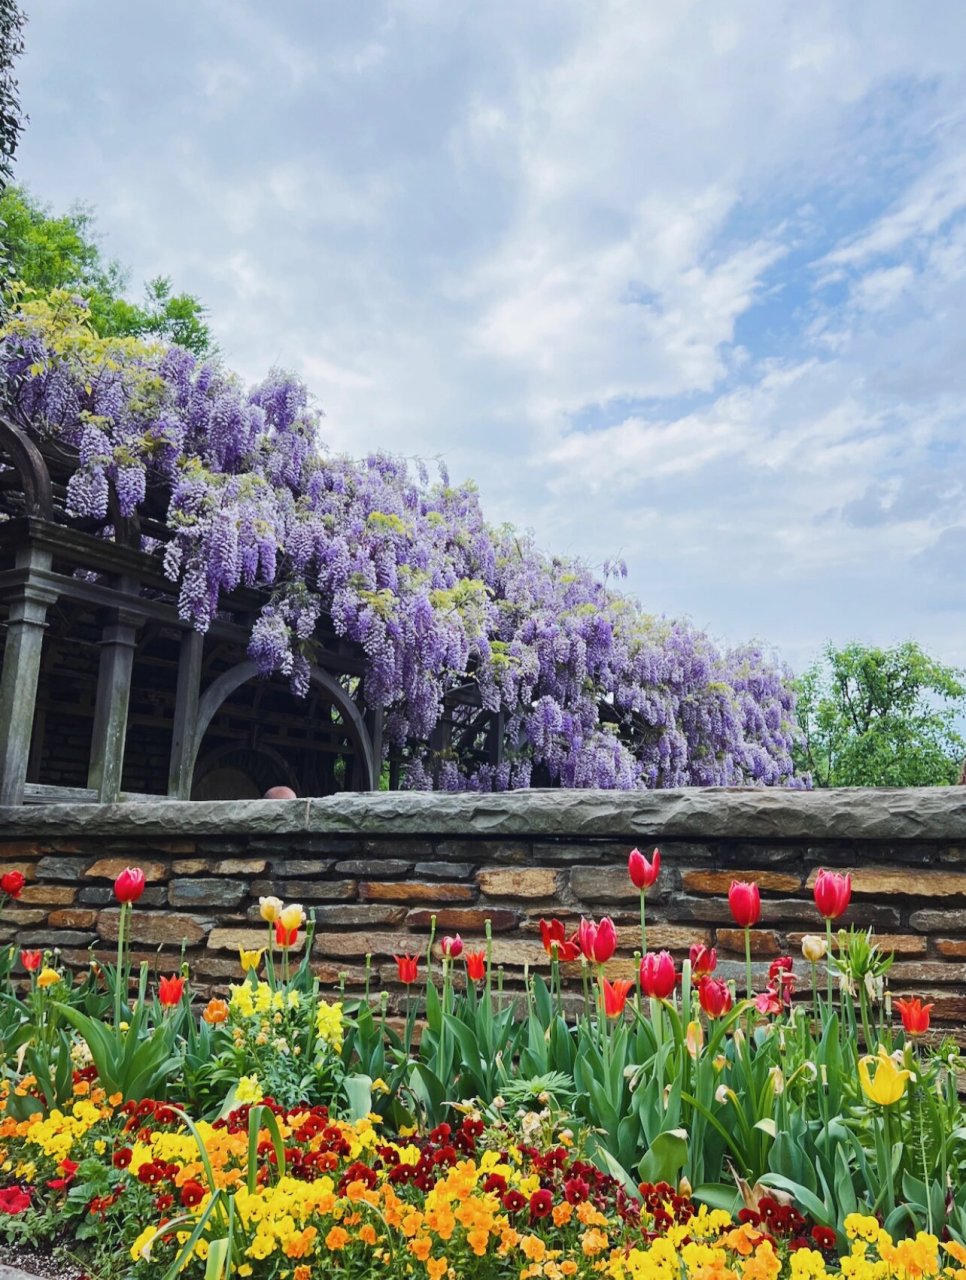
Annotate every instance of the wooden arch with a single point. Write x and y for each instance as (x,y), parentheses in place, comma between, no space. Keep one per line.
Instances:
(225,685)
(31,468)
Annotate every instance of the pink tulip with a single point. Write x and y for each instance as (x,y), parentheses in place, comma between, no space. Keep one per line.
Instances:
(452,947)
(745,903)
(129,885)
(643,873)
(832,894)
(598,942)
(658,977)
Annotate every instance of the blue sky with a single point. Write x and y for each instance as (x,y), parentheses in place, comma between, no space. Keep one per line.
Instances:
(682,283)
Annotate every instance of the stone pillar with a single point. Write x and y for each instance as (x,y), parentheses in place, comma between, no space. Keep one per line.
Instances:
(26,624)
(374,725)
(181,767)
(110,712)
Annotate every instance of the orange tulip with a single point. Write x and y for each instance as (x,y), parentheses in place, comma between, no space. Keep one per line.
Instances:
(215,1011)
(615,996)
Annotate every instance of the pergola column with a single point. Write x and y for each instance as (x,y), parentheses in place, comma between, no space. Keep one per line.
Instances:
(26,623)
(110,711)
(181,767)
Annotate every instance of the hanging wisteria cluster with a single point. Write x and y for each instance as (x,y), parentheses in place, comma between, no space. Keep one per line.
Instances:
(592,691)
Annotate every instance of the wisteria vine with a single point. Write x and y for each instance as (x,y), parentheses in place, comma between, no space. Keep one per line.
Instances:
(593,692)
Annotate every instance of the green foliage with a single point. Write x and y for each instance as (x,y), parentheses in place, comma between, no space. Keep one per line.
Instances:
(46,253)
(12,21)
(874,717)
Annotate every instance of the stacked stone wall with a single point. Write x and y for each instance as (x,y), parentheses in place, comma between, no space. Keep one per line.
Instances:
(376,868)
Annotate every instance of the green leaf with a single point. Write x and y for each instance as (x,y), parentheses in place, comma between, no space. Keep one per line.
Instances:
(665,1158)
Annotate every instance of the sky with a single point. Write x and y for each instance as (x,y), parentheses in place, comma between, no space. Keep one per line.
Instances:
(682,284)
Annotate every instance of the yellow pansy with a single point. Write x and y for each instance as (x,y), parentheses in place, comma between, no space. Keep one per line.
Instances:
(889,1083)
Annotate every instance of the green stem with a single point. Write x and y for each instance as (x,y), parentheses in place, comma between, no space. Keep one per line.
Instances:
(643,922)
(120,975)
(828,962)
(748,960)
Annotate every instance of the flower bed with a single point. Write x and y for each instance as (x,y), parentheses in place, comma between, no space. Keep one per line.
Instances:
(673,1127)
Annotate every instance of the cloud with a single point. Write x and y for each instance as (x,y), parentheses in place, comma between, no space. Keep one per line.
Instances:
(668,280)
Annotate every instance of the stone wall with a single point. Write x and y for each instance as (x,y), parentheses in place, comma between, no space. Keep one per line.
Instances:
(375,868)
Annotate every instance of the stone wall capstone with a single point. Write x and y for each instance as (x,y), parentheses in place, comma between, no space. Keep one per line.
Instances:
(375,868)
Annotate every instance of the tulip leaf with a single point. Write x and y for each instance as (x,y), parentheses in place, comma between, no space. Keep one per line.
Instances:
(665,1157)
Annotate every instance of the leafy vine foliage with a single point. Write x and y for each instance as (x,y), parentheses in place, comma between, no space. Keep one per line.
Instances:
(12,21)
(592,690)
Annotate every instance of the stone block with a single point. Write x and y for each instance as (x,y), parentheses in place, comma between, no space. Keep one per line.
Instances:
(443,870)
(931,921)
(494,849)
(890,881)
(306,868)
(21,916)
(206,893)
(54,895)
(352,915)
(189,866)
(933,971)
(27,869)
(335,945)
(719,882)
(523,882)
(240,867)
(955,948)
(11,850)
(471,919)
(165,928)
(415,891)
(111,868)
(61,867)
(371,868)
(763,941)
(236,939)
(72,918)
(50,938)
(610,884)
(394,847)
(299,890)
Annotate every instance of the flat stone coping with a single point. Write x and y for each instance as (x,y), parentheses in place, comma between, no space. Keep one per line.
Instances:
(756,813)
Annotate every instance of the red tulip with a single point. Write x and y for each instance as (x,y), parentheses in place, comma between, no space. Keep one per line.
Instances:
(832,894)
(555,941)
(129,885)
(31,960)
(745,903)
(704,960)
(476,965)
(768,1002)
(12,883)
(170,991)
(285,937)
(598,942)
(657,975)
(715,997)
(915,1016)
(408,967)
(643,873)
(452,948)
(615,996)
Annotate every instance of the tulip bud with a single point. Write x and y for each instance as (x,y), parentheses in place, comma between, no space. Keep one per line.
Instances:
(270,909)
(452,948)
(833,893)
(643,873)
(292,916)
(685,1188)
(745,903)
(129,885)
(657,975)
(814,948)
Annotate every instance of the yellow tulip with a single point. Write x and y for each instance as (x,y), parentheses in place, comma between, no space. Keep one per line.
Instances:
(48,977)
(814,948)
(694,1039)
(270,909)
(250,959)
(292,916)
(889,1083)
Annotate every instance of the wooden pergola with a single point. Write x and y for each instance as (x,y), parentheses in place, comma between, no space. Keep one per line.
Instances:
(106,693)
(65,589)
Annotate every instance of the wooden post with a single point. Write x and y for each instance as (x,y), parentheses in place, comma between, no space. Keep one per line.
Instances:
(26,624)
(181,767)
(110,710)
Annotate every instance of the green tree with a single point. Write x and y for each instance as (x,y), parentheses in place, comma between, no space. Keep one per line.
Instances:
(880,718)
(47,252)
(12,23)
